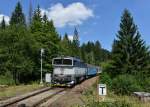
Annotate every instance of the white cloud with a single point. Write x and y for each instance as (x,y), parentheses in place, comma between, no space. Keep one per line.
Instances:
(73,14)
(70,37)
(5,17)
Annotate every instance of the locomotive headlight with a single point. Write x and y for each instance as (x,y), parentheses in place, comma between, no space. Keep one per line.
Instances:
(72,82)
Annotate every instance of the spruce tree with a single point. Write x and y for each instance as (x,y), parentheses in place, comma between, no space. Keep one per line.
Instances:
(83,52)
(76,38)
(37,14)
(17,17)
(65,43)
(46,24)
(3,24)
(46,37)
(97,52)
(51,41)
(76,44)
(55,38)
(129,52)
(36,24)
(45,18)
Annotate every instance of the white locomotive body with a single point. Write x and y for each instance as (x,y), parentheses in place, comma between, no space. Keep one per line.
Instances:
(68,70)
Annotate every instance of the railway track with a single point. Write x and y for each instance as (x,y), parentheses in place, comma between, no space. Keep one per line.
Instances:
(34,99)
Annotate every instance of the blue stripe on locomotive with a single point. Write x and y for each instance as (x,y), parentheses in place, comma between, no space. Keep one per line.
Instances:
(92,71)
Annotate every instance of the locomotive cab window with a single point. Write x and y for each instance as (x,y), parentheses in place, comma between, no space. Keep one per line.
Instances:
(62,62)
(67,61)
(58,61)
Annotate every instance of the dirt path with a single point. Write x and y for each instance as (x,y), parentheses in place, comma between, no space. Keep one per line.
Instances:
(74,95)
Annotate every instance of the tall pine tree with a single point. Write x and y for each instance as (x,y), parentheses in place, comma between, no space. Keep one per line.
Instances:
(76,38)
(76,44)
(3,23)
(46,37)
(36,24)
(130,55)
(17,17)
(65,43)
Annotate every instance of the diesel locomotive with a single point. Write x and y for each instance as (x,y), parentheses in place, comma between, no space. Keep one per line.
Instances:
(69,71)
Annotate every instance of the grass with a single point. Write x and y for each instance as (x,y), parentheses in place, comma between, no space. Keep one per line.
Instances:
(11,91)
(90,97)
(135,102)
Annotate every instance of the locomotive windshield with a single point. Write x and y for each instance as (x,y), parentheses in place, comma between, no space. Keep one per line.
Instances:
(67,62)
(62,62)
(58,61)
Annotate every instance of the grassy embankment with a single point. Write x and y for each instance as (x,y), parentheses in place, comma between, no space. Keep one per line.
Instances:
(111,100)
(11,91)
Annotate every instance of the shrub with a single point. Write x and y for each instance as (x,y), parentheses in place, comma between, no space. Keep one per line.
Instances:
(146,84)
(109,104)
(144,81)
(107,67)
(125,84)
(6,79)
(105,79)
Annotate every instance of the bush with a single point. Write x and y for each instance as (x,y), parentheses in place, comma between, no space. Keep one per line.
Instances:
(6,79)
(105,79)
(125,84)
(146,84)
(109,104)
(143,81)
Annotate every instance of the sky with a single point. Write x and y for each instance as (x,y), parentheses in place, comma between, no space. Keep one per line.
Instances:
(94,19)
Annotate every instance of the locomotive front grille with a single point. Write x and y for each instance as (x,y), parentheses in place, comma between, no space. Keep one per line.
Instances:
(62,70)
(62,78)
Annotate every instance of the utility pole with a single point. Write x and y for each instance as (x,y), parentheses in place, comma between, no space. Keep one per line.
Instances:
(42,51)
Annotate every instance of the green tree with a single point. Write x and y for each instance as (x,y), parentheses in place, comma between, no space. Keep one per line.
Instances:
(93,53)
(46,36)
(51,42)
(129,53)
(76,38)
(65,43)
(15,46)
(3,24)
(97,52)
(17,17)
(76,44)
(36,24)
(83,53)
